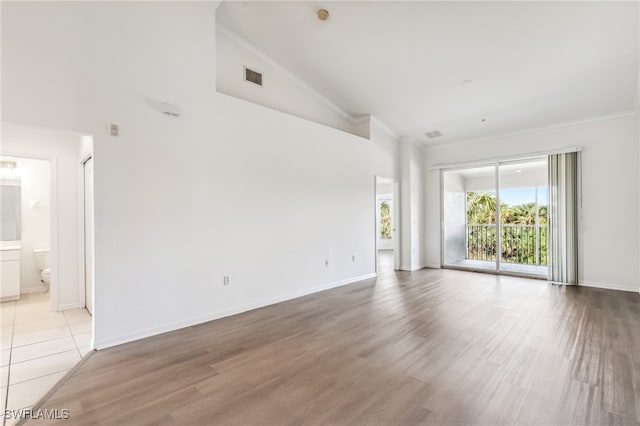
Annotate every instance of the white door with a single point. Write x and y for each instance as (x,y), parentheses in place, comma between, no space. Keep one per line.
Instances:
(88,234)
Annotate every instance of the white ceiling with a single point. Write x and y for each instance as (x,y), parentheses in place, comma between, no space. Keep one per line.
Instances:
(532,64)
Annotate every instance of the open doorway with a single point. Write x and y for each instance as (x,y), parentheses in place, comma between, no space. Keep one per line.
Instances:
(46,329)
(387,222)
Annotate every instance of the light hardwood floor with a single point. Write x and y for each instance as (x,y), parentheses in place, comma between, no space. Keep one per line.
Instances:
(429,347)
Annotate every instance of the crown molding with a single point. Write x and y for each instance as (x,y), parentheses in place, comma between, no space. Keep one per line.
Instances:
(388,130)
(288,74)
(534,129)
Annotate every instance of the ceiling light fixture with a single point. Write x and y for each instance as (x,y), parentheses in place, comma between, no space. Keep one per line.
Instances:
(323,14)
(9,165)
(467,82)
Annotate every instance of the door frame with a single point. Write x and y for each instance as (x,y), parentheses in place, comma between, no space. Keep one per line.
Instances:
(54,303)
(395,219)
(83,260)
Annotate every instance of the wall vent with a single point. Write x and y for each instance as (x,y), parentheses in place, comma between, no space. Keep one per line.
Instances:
(433,134)
(252,76)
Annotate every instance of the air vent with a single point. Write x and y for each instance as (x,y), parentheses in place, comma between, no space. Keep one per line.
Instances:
(252,76)
(433,134)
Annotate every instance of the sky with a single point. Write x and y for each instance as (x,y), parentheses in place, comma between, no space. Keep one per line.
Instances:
(516,196)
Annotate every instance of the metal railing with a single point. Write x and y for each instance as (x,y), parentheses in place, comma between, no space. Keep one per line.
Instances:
(523,244)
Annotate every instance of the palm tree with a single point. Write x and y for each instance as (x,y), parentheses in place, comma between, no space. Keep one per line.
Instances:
(481,208)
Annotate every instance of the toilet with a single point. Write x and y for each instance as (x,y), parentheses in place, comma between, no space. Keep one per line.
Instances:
(43,264)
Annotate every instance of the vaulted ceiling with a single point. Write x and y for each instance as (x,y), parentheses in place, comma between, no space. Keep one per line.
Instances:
(530,64)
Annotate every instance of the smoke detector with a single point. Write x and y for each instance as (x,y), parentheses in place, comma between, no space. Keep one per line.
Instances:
(323,14)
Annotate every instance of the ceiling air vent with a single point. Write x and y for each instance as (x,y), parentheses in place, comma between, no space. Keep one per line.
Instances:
(433,134)
(252,76)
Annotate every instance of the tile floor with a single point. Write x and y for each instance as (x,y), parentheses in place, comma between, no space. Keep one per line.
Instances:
(38,347)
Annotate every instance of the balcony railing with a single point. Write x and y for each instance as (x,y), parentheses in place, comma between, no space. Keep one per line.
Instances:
(523,244)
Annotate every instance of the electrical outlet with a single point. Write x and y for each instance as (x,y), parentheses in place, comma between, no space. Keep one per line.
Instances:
(114,130)
(326,263)
(353,257)
(226,280)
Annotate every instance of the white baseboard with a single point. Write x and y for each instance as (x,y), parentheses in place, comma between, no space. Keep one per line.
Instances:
(411,268)
(609,286)
(432,266)
(107,343)
(33,290)
(70,306)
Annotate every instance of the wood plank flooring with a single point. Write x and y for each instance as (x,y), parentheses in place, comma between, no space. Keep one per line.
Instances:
(430,347)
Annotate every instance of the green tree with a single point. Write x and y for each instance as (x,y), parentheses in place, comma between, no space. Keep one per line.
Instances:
(385,220)
(481,208)
(519,243)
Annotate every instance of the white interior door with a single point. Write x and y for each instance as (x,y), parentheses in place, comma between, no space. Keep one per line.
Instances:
(88,234)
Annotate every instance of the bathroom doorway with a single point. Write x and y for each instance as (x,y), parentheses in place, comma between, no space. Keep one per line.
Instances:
(25,190)
(387,222)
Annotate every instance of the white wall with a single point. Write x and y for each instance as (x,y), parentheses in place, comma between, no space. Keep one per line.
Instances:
(412,205)
(229,188)
(608,248)
(62,150)
(417,207)
(280,90)
(35,182)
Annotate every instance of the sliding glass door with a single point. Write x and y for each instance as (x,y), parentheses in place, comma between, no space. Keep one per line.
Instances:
(495,217)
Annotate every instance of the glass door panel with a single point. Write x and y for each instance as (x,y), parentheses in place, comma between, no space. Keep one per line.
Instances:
(469,211)
(523,217)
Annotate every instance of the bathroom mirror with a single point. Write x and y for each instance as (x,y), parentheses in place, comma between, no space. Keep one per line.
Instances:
(10,209)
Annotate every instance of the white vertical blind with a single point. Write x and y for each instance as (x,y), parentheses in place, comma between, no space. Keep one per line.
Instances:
(563,218)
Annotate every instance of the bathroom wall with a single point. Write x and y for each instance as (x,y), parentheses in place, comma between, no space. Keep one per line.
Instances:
(36,223)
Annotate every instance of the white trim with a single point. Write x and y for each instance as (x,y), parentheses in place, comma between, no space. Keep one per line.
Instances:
(71,306)
(395,220)
(272,62)
(82,285)
(532,130)
(103,344)
(410,269)
(509,158)
(560,283)
(608,286)
(41,289)
(388,130)
(432,266)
